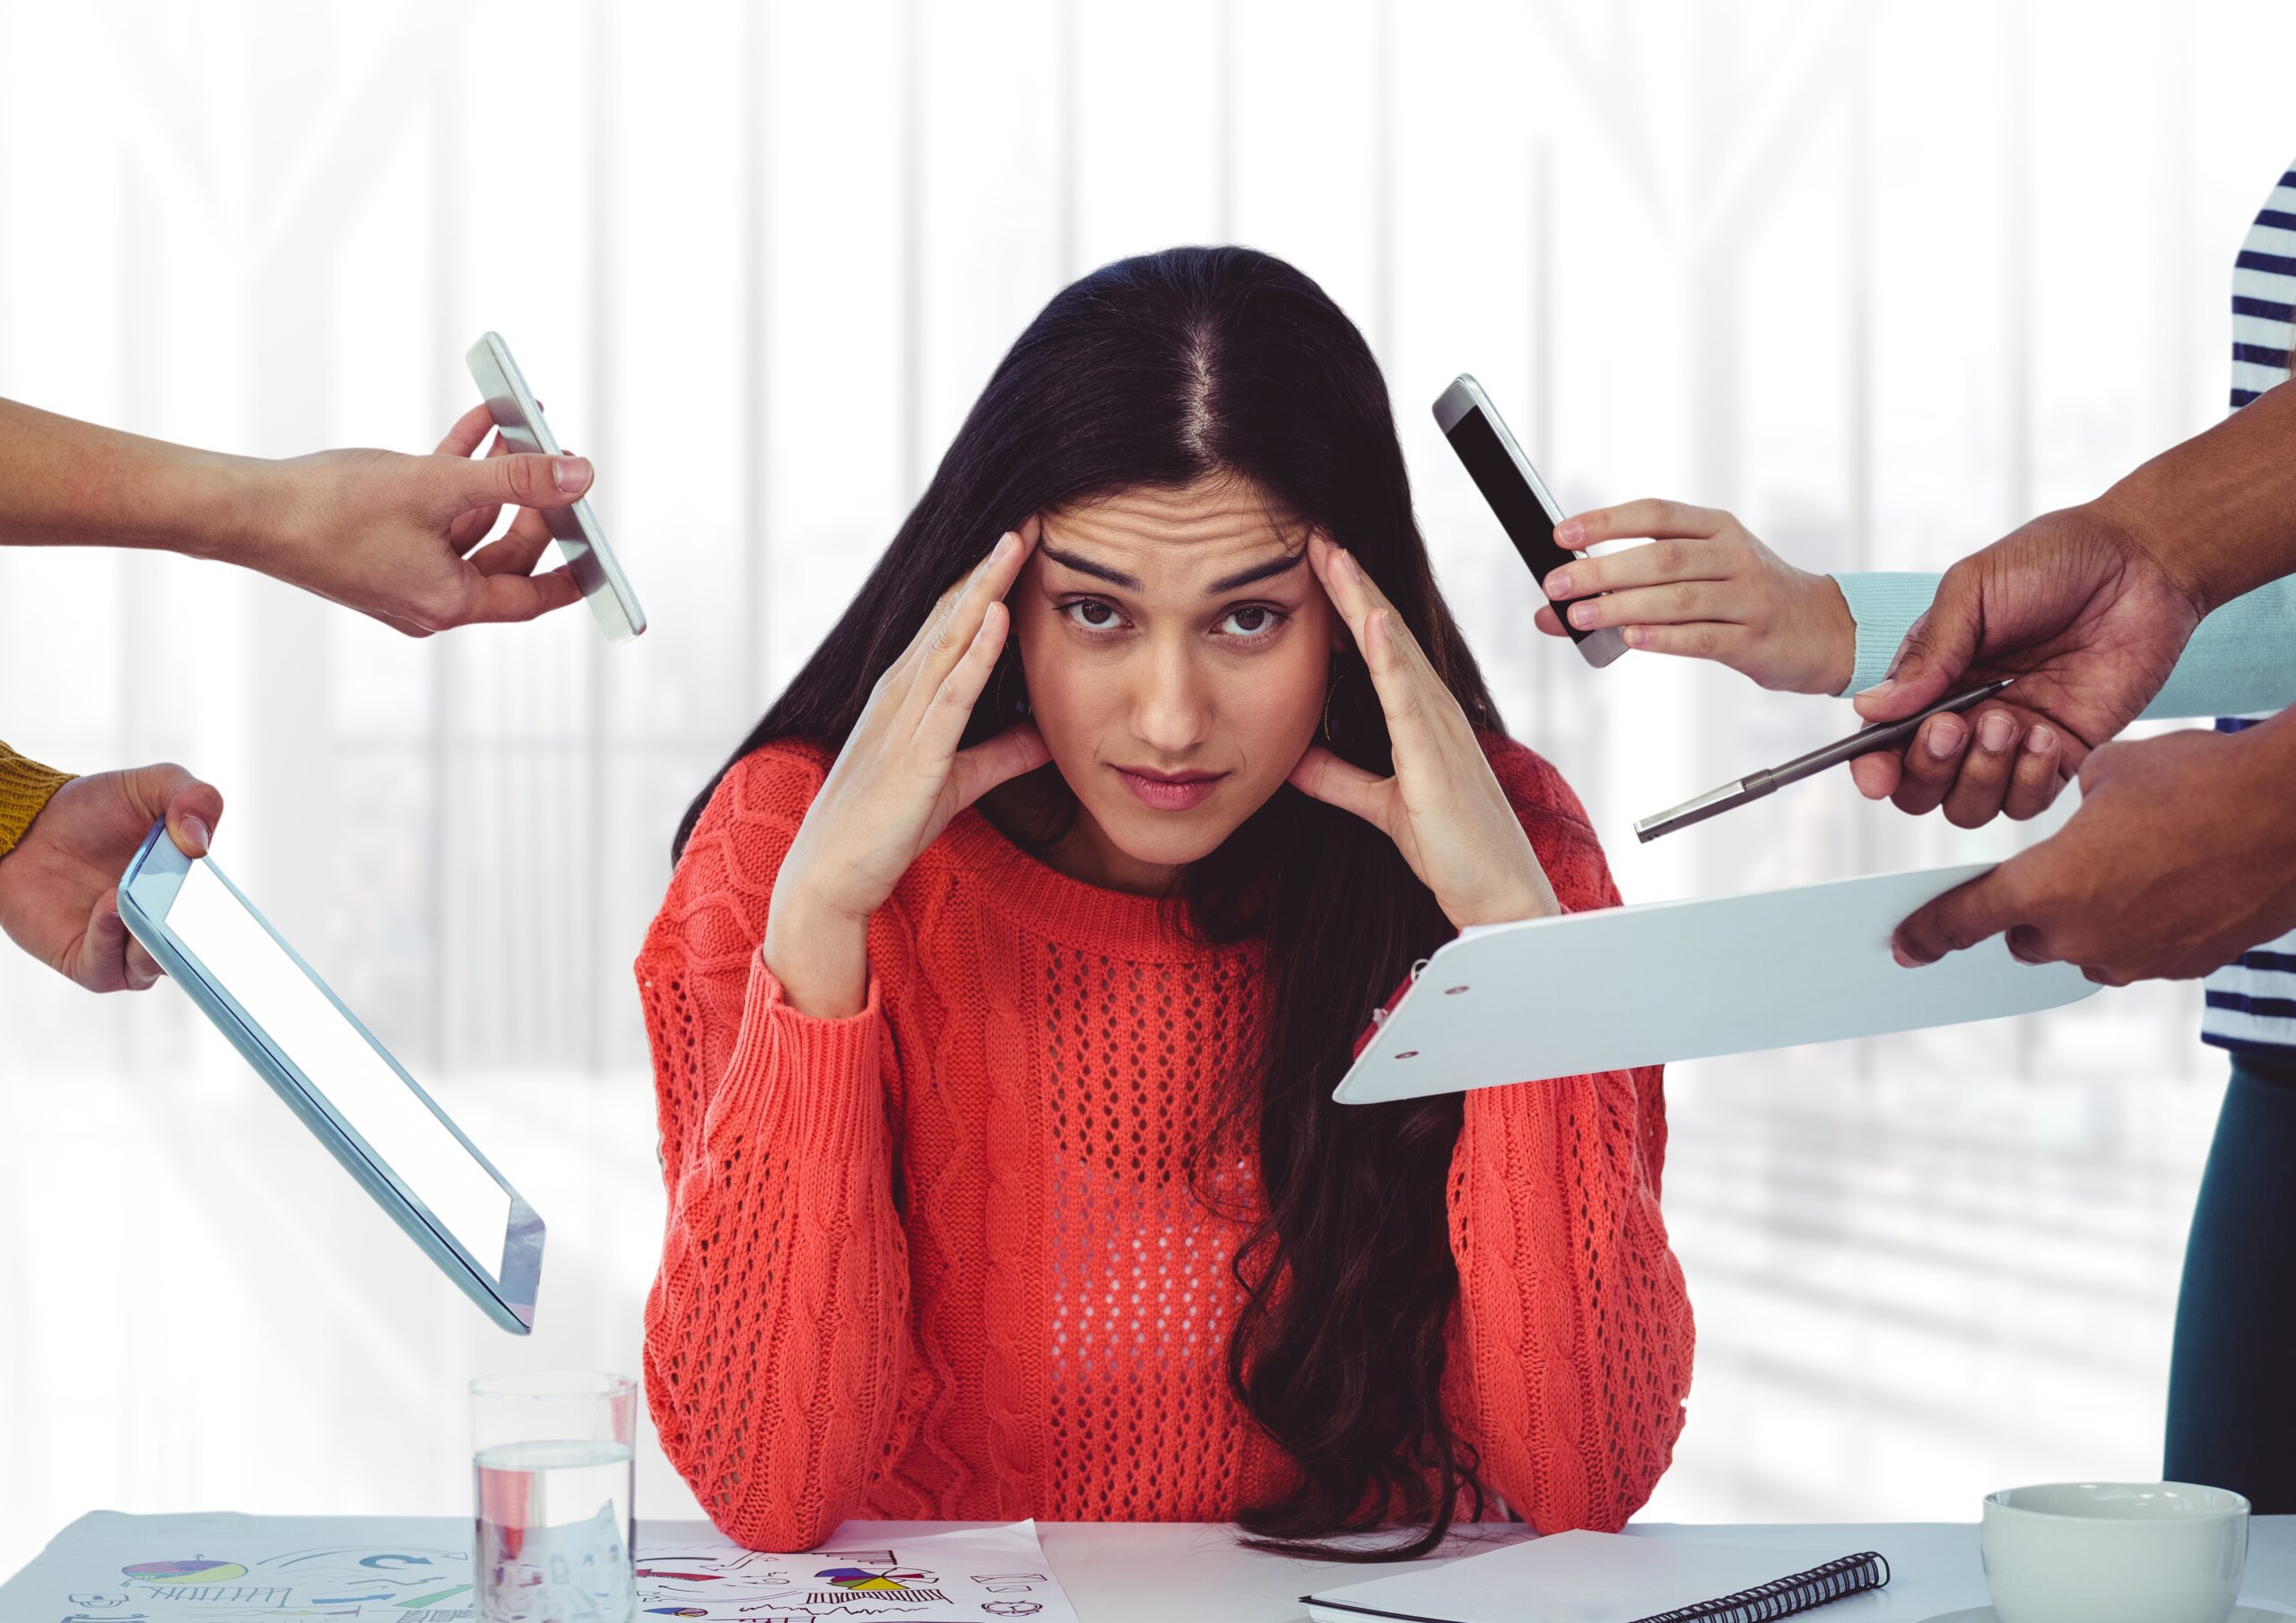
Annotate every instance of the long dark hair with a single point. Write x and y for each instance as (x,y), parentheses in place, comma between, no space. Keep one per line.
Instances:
(1161,370)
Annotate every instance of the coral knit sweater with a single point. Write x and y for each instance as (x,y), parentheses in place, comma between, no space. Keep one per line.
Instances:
(940,1259)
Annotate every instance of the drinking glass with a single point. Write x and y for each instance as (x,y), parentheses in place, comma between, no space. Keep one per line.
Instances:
(552,1467)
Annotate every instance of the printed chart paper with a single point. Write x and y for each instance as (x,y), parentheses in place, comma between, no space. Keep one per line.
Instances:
(108,1568)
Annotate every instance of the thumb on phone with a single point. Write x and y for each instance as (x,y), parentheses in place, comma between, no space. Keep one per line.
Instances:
(525,478)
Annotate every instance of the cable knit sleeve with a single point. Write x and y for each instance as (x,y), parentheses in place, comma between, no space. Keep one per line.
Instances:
(25,786)
(778,1343)
(1572,1354)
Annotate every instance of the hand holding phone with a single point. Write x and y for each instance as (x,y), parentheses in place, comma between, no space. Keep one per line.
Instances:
(1707,588)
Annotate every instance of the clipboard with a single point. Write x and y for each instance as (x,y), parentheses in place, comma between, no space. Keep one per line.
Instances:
(1664,981)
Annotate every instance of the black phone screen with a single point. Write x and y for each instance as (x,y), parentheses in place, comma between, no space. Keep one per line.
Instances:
(1529,526)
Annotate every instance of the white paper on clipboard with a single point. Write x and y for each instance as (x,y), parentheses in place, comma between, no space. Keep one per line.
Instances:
(1665,981)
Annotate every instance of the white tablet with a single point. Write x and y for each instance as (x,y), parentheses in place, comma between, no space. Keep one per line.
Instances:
(1665,981)
(345,1085)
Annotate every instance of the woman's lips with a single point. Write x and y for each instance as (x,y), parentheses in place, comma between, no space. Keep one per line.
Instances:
(1170,794)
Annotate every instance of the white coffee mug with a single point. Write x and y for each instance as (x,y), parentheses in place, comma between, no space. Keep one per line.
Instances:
(2114,1552)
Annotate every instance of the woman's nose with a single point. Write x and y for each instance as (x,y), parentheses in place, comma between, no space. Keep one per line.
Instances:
(1171,711)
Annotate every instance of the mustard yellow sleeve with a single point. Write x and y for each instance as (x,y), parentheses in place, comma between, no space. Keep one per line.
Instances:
(24,788)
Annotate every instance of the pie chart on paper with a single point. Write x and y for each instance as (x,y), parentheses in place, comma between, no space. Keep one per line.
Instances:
(184,1572)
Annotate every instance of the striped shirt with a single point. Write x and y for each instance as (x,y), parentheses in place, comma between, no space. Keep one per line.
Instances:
(2252,1001)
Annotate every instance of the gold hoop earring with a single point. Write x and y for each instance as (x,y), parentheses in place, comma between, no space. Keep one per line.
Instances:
(1324,731)
(1005,707)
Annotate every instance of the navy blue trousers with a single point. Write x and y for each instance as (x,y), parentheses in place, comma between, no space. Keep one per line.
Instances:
(2232,1373)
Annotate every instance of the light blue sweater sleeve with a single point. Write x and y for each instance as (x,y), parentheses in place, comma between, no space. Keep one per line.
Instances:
(2241,659)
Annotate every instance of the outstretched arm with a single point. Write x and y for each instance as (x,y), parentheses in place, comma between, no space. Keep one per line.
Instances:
(391,536)
(2243,658)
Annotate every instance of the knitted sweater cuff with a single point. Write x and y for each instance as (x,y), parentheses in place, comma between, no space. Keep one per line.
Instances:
(25,786)
(811,1077)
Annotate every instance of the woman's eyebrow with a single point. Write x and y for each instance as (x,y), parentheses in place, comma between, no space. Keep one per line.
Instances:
(1258,571)
(1226,583)
(1085,566)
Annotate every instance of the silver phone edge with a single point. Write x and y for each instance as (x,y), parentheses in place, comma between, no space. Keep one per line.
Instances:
(613,603)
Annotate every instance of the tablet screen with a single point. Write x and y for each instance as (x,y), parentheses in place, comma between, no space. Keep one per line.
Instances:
(302,1024)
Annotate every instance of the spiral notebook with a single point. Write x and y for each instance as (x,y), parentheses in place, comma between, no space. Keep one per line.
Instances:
(1597,1578)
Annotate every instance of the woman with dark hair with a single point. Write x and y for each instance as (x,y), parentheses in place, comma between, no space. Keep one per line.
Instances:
(1009,965)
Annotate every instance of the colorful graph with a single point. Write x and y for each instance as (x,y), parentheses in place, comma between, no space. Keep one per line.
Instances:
(858,1578)
(184,1572)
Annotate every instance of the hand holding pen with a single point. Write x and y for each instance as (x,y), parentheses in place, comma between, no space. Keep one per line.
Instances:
(2089,622)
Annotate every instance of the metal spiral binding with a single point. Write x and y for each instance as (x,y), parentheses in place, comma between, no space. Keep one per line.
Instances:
(1850,1575)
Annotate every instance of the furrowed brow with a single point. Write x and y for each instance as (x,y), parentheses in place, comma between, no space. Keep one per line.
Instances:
(1085,566)
(1258,571)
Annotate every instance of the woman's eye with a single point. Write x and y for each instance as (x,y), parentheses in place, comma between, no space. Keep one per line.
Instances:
(1251,622)
(1092,613)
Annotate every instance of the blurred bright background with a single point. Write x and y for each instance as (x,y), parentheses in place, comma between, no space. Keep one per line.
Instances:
(1884,278)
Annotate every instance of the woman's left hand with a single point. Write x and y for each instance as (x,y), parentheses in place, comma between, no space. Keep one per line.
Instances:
(1443,808)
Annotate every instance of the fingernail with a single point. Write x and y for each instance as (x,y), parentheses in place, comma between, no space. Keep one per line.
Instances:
(1568,531)
(1879,688)
(1994,733)
(1558,585)
(111,921)
(1905,960)
(1944,737)
(1582,615)
(1347,562)
(1006,543)
(2038,739)
(194,830)
(1636,635)
(572,473)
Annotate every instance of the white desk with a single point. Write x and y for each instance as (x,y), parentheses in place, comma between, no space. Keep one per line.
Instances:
(1144,1572)
(1138,1572)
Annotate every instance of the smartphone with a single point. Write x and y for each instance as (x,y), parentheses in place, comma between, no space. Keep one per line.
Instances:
(580,540)
(356,1100)
(1512,486)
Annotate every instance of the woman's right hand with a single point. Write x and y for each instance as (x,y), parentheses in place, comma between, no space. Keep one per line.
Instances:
(1705,588)
(894,786)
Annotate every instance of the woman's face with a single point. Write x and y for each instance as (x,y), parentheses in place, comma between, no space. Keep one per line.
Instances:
(1177,649)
